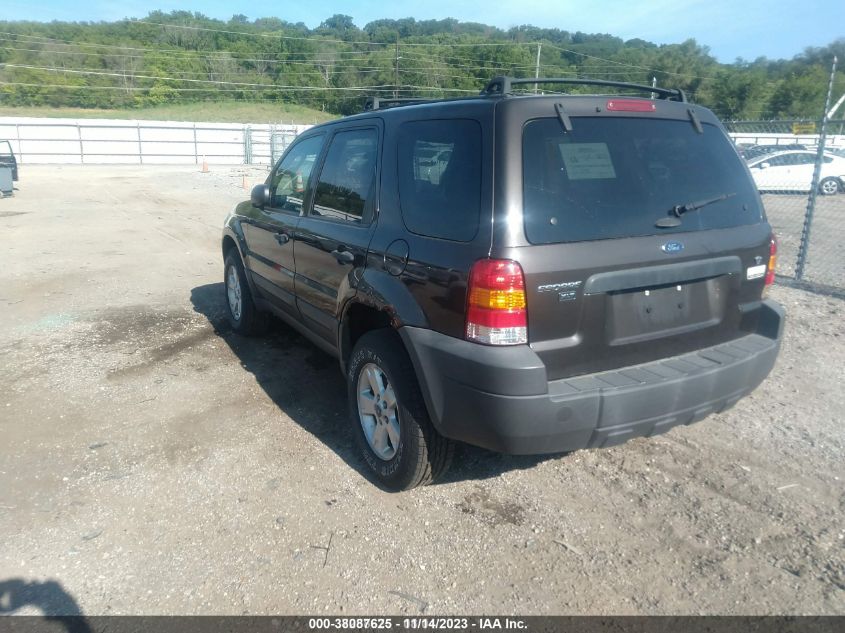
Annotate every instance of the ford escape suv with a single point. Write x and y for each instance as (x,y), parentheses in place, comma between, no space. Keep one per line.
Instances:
(526,273)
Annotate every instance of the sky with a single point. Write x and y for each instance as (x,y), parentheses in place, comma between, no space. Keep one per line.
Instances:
(731,28)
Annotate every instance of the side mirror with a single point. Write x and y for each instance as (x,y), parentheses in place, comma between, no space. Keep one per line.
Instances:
(260,196)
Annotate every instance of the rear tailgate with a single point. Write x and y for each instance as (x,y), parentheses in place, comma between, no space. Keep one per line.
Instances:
(591,309)
(606,287)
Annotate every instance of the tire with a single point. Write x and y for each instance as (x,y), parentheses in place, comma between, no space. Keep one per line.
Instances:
(246,320)
(829,186)
(411,452)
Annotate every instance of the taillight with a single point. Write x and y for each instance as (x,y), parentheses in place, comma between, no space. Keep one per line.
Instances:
(496,312)
(773,258)
(631,105)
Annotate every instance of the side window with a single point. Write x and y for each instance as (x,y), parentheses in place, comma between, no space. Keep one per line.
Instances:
(290,180)
(440,178)
(346,186)
(779,161)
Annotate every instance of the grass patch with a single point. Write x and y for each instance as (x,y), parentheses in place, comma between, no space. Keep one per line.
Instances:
(212,111)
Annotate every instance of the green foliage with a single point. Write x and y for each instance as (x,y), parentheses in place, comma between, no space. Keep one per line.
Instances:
(798,94)
(183,57)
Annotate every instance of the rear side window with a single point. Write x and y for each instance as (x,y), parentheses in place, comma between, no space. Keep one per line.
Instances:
(615,177)
(440,178)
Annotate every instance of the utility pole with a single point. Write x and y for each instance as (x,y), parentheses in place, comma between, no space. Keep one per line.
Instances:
(396,75)
(654,85)
(537,66)
(814,187)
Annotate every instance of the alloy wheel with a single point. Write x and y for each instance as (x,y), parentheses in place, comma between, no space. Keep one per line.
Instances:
(378,411)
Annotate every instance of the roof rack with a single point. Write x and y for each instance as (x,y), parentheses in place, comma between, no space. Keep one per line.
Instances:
(380,103)
(503,86)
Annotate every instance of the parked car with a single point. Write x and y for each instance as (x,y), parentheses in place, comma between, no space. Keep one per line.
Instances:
(792,171)
(598,277)
(7,158)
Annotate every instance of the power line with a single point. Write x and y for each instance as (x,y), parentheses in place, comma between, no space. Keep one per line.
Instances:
(363,70)
(266,35)
(126,75)
(41,39)
(264,88)
(318,39)
(343,63)
(611,61)
(289,37)
(154,77)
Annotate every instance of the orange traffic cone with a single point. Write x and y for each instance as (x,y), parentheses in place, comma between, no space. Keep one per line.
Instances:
(204,165)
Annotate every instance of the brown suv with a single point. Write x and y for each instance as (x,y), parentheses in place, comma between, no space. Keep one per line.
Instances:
(530,274)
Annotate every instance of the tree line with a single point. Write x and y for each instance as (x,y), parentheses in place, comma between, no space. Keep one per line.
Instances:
(182,57)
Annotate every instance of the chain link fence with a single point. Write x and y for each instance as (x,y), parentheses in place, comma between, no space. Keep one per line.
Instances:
(809,222)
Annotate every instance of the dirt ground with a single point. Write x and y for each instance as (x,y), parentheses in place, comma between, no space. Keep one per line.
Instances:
(154,463)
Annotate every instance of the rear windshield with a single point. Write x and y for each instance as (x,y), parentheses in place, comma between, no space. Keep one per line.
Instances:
(615,177)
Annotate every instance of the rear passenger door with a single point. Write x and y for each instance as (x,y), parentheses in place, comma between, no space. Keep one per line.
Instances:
(333,236)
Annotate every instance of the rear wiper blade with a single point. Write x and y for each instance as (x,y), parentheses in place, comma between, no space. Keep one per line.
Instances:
(679,209)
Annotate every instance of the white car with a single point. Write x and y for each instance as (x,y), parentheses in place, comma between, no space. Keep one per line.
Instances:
(793,171)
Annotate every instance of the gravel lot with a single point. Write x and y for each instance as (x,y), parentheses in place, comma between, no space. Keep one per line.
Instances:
(155,463)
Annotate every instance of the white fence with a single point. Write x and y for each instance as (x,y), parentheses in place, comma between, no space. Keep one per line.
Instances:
(833,141)
(107,141)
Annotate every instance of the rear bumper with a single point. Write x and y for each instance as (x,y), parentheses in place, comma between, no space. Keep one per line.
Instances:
(498,398)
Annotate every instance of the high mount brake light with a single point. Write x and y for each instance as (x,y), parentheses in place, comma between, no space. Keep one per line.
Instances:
(773,258)
(496,313)
(631,105)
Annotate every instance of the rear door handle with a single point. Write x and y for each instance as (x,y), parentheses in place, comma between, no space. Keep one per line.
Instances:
(282,238)
(343,257)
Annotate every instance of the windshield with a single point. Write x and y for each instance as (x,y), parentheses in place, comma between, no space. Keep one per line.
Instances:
(616,177)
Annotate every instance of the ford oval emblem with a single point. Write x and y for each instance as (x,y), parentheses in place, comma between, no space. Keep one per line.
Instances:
(672,247)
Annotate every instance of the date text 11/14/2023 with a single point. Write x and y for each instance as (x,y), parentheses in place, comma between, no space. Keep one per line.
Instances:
(418,623)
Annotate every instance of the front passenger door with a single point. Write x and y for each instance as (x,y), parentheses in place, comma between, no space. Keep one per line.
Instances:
(269,232)
(772,177)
